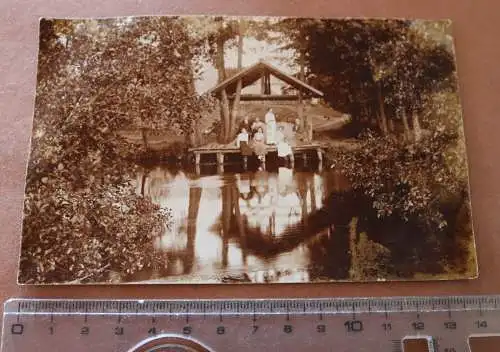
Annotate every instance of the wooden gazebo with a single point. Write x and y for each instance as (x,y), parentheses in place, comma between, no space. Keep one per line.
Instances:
(295,93)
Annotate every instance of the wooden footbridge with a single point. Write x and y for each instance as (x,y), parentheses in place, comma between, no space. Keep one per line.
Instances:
(221,151)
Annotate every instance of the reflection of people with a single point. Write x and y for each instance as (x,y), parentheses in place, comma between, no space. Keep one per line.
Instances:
(242,143)
(284,149)
(285,180)
(270,119)
(259,146)
(244,188)
(260,184)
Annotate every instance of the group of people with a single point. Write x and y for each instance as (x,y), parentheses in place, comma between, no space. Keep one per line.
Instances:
(255,137)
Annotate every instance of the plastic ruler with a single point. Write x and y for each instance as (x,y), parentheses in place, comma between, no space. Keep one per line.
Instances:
(396,324)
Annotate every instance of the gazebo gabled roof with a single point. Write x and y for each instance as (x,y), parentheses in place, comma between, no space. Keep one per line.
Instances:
(253,73)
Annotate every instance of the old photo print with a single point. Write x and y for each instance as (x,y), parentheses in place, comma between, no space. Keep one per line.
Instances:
(205,149)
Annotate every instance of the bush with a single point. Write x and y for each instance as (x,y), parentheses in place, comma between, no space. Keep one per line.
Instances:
(81,236)
(405,178)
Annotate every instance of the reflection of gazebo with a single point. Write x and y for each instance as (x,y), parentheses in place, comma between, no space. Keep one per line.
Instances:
(255,98)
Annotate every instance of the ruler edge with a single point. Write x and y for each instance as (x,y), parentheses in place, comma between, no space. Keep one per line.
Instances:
(406,303)
(409,302)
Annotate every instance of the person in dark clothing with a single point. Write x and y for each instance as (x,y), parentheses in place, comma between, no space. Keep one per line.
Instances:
(245,124)
(256,125)
(242,142)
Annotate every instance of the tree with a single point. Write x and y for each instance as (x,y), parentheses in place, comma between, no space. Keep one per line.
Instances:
(346,60)
(295,35)
(216,35)
(421,175)
(236,100)
(82,217)
(372,68)
(419,66)
(158,51)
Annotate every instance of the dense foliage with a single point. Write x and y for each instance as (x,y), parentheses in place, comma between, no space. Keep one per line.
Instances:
(369,260)
(417,167)
(408,180)
(82,217)
(397,80)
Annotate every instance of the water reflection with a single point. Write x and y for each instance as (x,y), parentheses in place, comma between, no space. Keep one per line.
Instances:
(289,225)
(238,227)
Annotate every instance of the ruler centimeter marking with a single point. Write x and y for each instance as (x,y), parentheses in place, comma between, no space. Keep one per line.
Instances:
(349,324)
(274,306)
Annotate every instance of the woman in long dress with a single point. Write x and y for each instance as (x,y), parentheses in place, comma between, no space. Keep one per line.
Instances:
(270,120)
(284,148)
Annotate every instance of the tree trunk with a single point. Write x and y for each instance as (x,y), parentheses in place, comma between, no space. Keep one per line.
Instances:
(144,135)
(197,136)
(193,209)
(312,190)
(417,130)
(373,116)
(382,116)
(227,215)
(219,59)
(237,94)
(309,126)
(390,123)
(302,77)
(143,183)
(193,138)
(189,138)
(240,223)
(234,110)
(365,115)
(194,135)
(300,114)
(240,43)
(353,250)
(305,119)
(302,192)
(407,132)
(221,73)
(224,103)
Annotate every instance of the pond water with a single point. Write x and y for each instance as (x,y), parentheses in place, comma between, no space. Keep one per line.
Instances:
(278,225)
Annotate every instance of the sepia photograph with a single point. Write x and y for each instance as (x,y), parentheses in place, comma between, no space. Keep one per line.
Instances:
(233,150)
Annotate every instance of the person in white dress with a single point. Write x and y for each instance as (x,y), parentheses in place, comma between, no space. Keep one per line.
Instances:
(284,148)
(270,120)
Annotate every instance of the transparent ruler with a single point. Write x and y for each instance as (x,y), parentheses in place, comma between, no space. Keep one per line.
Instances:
(410,324)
